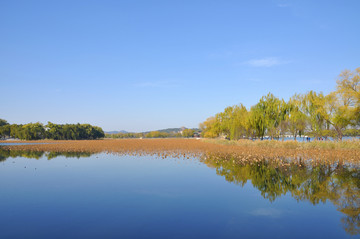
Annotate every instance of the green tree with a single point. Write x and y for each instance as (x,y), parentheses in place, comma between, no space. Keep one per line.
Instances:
(236,123)
(340,113)
(3,122)
(187,133)
(5,131)
(257,121)
(4,128)
(210,128)
(54,131)
(32,131)
(271,107)
(313,106)
(296,118)
(157,134)
(348,86)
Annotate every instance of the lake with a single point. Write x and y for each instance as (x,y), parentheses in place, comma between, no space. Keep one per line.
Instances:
(13,144)
(74,195)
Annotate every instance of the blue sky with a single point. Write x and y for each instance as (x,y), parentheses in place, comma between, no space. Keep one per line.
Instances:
(147,65)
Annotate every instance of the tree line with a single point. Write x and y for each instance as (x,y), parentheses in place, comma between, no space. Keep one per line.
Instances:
(36,131)
(186,133)
(313,114)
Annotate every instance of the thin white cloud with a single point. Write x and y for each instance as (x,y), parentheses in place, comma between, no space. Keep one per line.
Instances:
(266,62)
(156,84)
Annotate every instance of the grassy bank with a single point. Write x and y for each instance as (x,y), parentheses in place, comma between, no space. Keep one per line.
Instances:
(346,144)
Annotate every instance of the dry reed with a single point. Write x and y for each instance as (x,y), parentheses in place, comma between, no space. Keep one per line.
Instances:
(236,150)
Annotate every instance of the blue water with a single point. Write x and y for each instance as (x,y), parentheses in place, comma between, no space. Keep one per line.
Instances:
(10,144)
(111,196)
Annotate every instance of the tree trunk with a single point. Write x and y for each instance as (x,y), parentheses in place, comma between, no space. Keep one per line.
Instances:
(339,133)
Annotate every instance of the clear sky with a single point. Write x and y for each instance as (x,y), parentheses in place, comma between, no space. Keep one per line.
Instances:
(147,65)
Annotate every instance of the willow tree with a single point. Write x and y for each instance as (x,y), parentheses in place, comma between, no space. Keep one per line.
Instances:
(295,117)
(257,121)
(210,128)
(313,105)
(273,110)
(238,126)
(225,119)
(232,122)
(348,86)
(317,114)
(340,114)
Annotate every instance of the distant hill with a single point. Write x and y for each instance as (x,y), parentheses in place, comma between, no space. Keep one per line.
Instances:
(116,132)
(171,130)
(168,130)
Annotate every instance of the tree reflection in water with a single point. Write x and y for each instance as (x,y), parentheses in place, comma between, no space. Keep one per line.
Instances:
(306,180)
(4,154)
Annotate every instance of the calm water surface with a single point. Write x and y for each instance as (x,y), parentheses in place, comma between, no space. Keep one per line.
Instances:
(9,144)
(49,195)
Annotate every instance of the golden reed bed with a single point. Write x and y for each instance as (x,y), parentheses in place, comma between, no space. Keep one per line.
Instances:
(188,148)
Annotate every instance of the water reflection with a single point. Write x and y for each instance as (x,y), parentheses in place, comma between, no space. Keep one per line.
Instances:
(304,180)
(5,154)
(317,183)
